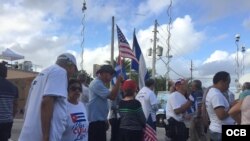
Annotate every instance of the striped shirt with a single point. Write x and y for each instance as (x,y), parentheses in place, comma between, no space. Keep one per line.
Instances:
(8,93)
(132,116)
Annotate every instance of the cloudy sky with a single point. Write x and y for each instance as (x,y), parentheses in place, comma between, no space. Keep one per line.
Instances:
(201,31)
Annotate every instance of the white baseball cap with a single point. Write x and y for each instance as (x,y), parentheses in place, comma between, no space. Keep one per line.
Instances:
(69,57)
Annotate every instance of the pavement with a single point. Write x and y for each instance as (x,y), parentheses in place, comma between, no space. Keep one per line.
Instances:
(18,123)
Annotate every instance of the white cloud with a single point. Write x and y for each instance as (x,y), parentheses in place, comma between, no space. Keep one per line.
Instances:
(185,38)
(17,24)
(218,55)
(182,29)
(152,7)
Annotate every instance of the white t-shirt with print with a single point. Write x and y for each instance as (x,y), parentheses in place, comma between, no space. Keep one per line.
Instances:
(175,101)
(77,123)
(50,82)
(147,99)
(215,99)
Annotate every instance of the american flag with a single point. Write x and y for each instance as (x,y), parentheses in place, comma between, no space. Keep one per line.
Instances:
(124,48)
(150,130)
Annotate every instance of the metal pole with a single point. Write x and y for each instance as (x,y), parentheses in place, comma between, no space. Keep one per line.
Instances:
(191,69)
(154,50)
(112,41)
(237,36)
(168,68)
(112,45)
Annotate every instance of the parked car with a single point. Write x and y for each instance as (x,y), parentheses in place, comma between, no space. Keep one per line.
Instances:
(162,97)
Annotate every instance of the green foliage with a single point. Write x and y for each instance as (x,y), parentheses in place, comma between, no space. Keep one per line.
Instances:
(88,77)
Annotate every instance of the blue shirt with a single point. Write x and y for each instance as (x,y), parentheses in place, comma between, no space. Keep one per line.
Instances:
(244,94)
(197,95)
(98,101)
(8,93)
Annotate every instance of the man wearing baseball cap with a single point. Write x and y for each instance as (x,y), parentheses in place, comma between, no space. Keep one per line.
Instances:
(177,105)
(45,116)
(98,102)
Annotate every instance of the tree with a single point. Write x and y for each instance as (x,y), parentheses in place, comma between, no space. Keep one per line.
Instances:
(88,76)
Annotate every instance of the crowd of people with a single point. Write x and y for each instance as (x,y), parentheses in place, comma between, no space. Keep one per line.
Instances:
(61,107)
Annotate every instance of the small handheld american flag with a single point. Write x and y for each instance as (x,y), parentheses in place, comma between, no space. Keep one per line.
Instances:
(150,130)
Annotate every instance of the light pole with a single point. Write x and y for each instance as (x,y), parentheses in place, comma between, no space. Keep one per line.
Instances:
(237,39)
(154,50)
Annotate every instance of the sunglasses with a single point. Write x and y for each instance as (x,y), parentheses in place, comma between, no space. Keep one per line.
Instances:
(74,88)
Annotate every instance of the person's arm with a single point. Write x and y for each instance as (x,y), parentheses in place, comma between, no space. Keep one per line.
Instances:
(183,107)
(115,90)
(221,113)
(47,108)
(235,112)
(15,105)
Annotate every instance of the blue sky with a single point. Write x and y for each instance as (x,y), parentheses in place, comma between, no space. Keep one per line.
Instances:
(202,31)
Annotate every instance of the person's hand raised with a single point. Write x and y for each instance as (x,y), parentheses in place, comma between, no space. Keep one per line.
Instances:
(120,78)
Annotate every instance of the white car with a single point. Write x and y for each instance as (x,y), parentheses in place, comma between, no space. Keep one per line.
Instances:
(162,97)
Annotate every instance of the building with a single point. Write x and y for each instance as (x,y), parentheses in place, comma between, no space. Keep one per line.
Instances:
(22,79)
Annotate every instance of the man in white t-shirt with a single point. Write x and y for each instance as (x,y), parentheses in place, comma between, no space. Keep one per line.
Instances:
(45,117)
(148,100)
(217,105)
(178,104)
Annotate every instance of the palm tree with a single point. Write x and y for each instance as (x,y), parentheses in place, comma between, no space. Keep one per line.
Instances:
(125,63)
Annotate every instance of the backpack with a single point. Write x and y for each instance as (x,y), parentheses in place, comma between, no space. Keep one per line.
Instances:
(204,114)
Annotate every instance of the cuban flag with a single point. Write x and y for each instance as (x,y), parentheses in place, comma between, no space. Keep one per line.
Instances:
(150,130)
(77,117)
(140,66)
(119,70)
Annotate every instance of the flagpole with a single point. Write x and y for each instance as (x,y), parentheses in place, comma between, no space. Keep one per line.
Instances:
(130,74)
(154,51)
(112,41)
(112,45)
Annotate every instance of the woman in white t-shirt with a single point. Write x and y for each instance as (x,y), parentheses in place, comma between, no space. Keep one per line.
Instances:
(77,122)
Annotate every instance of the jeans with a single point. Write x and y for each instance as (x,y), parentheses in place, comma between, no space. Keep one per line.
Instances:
(214,136)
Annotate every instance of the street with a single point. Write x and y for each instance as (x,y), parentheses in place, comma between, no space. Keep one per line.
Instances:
(17,126)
